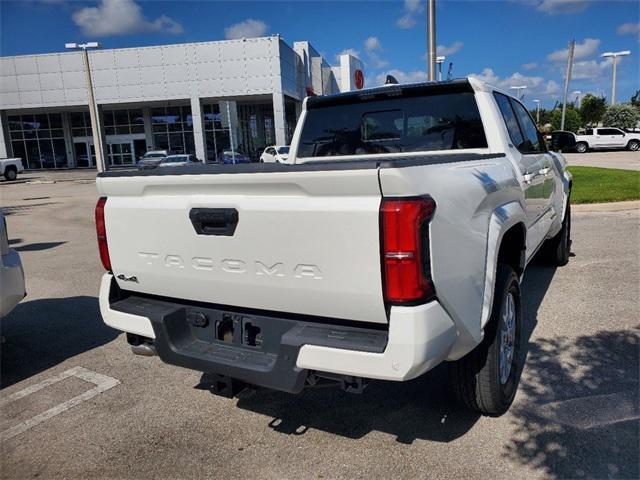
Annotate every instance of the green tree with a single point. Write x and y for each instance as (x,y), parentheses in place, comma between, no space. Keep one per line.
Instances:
(622,115)
(592,109)
(635,100)
(572,120)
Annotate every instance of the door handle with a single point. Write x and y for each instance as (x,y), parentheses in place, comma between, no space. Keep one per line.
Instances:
(528,177)
(544,171)
(214,221)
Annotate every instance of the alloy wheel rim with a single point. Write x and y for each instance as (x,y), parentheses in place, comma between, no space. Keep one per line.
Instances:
(507,337)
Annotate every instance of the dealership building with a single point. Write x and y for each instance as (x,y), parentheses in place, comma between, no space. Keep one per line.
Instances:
(201,98)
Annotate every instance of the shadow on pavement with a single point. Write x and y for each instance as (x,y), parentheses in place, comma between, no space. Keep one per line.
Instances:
(24,209)
(580,418)
(420,409)
(36,247)
(39,334)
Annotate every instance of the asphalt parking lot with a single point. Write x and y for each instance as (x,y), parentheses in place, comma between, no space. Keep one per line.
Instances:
(576,414)
(607,159)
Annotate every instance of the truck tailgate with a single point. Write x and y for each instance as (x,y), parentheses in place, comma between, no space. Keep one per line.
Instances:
(304,242)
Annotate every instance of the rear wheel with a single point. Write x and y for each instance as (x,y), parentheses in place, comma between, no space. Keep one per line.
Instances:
(581,147)
(486,379)
(633,145)
(11,173)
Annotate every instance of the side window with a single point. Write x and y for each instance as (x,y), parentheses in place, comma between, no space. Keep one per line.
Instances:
(589,131)
(509,119)
(532,141)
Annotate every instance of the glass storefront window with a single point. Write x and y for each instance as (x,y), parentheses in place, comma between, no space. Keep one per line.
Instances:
(38,140)
(173,129)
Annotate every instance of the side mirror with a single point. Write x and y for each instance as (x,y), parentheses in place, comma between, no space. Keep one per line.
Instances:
(563,141)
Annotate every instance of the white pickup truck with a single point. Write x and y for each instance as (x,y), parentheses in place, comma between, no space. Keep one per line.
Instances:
(607,138)
(10,167)
(396,240)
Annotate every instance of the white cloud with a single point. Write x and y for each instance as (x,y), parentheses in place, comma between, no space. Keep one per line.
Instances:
(348,51)
(249,28)
(530,66)
(628,29)
(558,7)
(401,76)
(121,17)
(582,50)
(592,69)
(412,8)
(450,50)
(535,85)
(373,46)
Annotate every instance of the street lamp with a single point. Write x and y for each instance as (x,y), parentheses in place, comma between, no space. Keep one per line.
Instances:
(96,131)
(577,93)
(519,89)
(439,61)
(615,56)
(537,102)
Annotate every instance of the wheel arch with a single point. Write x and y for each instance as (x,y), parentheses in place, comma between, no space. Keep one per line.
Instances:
(507,243)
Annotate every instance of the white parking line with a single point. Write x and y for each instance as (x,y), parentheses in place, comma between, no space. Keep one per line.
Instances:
(102,384)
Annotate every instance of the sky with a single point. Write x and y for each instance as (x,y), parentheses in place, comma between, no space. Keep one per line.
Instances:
(505,42)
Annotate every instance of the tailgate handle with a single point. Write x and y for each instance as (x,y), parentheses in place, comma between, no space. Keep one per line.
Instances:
(214,221)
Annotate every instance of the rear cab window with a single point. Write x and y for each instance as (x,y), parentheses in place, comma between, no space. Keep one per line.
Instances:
(392,120)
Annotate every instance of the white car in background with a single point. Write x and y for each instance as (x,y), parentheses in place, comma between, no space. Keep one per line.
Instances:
(178,161)
(11,274)
(275,154)
(10,167)
(607,138)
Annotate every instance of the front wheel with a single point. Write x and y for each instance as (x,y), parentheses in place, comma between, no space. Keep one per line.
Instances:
(486,379)
(581,147)
(633,145)
(556,250)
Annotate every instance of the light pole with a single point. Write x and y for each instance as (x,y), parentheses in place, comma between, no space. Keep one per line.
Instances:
(615,56)
(96,130)
(440,60)
(518,89)
(537,102)
(431,40)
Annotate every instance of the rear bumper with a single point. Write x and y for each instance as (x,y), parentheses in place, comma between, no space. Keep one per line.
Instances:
(418,339)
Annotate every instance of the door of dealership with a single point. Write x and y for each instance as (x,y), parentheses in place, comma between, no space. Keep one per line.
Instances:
(120,151)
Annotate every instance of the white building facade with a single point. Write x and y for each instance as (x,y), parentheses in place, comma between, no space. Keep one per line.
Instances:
(201,98)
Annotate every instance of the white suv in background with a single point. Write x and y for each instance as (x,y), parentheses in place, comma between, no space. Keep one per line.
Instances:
(11,274)
(607,138)
(275,154)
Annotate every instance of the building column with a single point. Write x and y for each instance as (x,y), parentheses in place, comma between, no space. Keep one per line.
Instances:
(198,129)
(279,119)
(4,136)
(68,141)
(229,114)
(148,127)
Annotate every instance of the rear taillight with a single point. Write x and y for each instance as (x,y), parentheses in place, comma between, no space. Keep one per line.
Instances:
(101,230)
(405,250)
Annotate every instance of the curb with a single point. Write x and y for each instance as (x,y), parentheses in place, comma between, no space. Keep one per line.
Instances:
(606,207)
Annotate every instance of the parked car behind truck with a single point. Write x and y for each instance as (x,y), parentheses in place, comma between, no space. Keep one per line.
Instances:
(607,138)
(396,240)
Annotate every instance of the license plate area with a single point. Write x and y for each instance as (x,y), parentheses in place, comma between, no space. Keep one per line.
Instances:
(230,328)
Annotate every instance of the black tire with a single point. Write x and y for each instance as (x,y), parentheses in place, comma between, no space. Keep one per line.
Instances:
(11,173)
(556,250)
(633,145)
(582,147)
(476,378)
